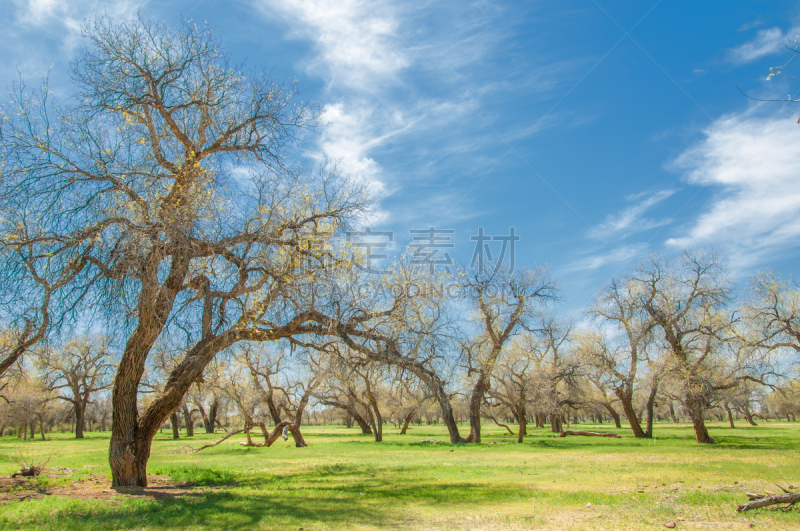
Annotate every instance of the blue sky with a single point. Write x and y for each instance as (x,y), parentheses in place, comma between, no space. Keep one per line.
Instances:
(603,131)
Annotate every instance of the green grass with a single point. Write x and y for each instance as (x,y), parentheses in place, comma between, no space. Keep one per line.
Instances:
(344,480)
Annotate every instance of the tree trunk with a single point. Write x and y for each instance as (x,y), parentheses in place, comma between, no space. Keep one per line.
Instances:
(362,423)
(555,423)
(522,421)
(175,423)
(187,420)
(730,415)
(128,459)
(696,414)
(80,409)
(212,416)
(407,422)
(630,413)
(614,415)
(299,442)
(748,415)
(650,408)
(378,427)
(475,402)
(273,409)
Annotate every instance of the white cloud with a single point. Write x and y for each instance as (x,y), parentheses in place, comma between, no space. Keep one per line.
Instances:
(411,78)
(39,13)
(631,219)
(753,164)
(354,38)
(615,256)
(347,139)
(766,42)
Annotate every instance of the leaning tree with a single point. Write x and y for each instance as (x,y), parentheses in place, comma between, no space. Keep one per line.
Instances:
(159,196)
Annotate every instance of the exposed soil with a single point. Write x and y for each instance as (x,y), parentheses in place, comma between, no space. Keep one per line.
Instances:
(95,487)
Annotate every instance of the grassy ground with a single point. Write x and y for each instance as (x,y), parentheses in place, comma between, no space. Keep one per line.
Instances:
(344,480)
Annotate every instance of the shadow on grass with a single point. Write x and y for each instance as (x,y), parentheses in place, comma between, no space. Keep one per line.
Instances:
(329,495)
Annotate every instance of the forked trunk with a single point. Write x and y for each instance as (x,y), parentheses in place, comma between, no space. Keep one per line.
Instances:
(475,402)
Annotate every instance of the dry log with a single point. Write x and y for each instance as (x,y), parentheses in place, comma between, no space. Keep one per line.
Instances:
(30,471)
(588,434)
(762,500)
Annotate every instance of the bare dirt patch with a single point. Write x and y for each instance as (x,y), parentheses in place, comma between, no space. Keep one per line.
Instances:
(94,488)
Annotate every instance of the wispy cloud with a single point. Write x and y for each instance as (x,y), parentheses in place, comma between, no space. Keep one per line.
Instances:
(766,42)
(632,220)
(615,257)
(409,85)
(752,163)
(70,14)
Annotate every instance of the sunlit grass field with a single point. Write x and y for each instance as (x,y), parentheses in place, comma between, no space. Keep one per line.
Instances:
(345,480)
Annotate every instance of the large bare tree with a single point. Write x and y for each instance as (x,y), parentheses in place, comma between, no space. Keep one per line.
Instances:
(161,192)
(78,370)
(689,300)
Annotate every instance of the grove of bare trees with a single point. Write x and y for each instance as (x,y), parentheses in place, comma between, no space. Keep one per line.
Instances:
(162,203)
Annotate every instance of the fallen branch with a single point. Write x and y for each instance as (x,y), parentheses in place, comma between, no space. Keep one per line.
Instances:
(29,472)
(762,500)
(502,425)
(231,434)
(588,434)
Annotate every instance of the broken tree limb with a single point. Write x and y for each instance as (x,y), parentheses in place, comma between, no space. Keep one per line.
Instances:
(762,500)
(231,434)
(502,425)
(588,434)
